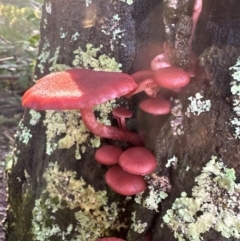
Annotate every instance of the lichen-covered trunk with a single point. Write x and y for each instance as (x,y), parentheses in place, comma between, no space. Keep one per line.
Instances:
(57,190)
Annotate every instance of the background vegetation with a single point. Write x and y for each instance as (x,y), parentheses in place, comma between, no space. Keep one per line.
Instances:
(19,38)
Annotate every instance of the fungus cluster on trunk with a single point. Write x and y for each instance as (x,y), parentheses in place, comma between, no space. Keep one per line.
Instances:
(83,89)
(125,176)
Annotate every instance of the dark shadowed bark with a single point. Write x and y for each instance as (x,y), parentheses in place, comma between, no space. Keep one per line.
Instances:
(57,190)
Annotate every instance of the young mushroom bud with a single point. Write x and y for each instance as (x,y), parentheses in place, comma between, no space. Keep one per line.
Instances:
(121,113)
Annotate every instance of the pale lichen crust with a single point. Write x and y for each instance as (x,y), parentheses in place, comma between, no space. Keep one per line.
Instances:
(198,105)
(129,2)
(35,117)
(23,133)
(235,90)
(214,205)
(91,59)
(172,162)
(69,125)
(158,187)
(154,198)
(94,217)
(137,226)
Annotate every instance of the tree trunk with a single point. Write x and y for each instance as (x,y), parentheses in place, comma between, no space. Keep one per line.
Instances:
(57,190)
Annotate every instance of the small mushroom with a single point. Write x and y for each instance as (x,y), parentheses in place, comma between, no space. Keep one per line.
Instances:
(108,155)
(123,182)
(156,106)
(83,89)
(171,78)
(120,114)
(138,160)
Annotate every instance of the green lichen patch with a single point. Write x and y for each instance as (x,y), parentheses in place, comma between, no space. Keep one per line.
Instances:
(35,117)
(214,204)
(43,56)
(137,226)
(154,198)
(92,216)
(91,58)
(43,225)
(67,123)
(23,133)
(67,126)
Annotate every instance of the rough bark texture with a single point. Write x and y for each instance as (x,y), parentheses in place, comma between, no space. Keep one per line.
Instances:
(34,191)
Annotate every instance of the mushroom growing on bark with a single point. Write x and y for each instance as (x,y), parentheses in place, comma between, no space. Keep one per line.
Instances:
(120,114)
(156,106)
(169,77)
(138,160)
(83,89)
(124,183)
(108,155)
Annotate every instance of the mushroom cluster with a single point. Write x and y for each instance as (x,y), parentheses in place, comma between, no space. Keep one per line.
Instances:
(83,89)
(125,176)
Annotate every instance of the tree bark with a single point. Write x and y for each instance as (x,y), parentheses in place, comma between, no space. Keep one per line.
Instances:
(57,190)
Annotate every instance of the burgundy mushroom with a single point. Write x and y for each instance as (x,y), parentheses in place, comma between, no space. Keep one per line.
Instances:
(123,182)
(156,106)
(138,160)
(168,77)
(108,155)
(121,113)
(83,89)
(171,78)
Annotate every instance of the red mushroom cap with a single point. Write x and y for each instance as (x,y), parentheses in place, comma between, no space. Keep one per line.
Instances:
(123,182)
(156,106)
(138,160)
(76,89)
(108,155)
(171,77)
(110,239)
(121,112)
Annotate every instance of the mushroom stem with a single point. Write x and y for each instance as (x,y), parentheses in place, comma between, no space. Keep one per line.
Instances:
(109,132)
(147,85)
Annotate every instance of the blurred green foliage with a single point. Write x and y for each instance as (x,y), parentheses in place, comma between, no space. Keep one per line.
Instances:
(19,38)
